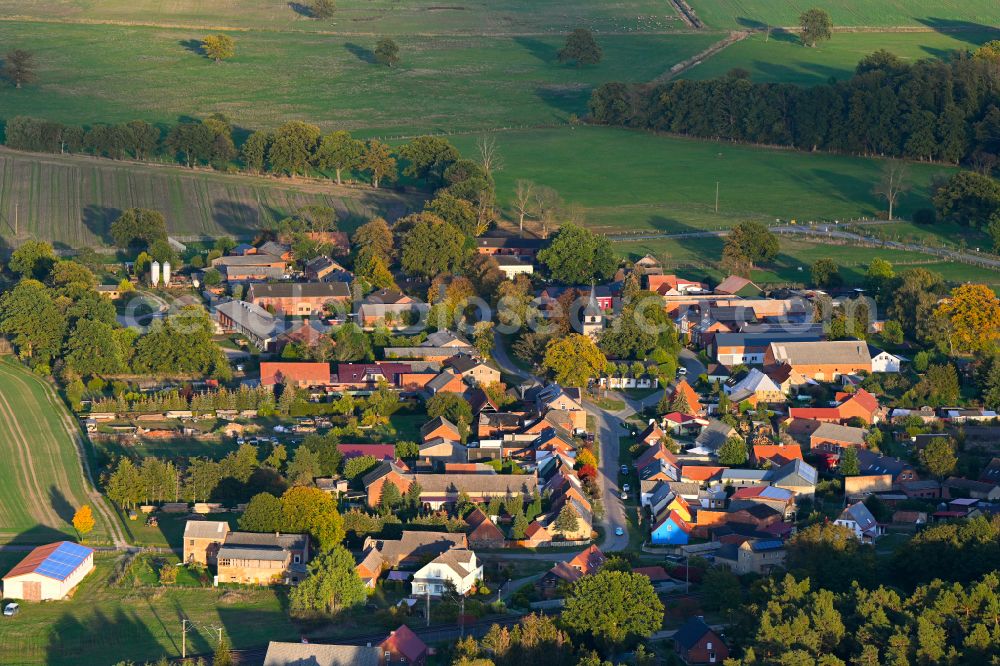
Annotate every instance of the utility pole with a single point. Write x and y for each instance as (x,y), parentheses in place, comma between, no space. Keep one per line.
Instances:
(184,632)
(716,196)
(15,219)
(687,572)
(461,618)
(427,594)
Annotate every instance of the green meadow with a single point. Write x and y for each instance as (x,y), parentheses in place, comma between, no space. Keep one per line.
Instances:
(781,58)
(942,14)
(630,180)
(444,83)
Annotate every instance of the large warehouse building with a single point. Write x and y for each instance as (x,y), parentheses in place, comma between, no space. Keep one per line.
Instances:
(49,572)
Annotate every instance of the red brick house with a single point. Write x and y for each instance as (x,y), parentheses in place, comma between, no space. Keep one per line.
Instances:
(861,404)
(697,643)
(483,533)
(299,298)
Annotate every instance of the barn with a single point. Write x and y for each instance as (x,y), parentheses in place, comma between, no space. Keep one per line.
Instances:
(49,572)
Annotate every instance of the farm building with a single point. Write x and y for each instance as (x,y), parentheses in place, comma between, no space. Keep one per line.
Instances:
(49,572)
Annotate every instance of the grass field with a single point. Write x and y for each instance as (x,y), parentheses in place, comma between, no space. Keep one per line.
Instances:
(103,623)
(101,73)
(642,182)
(783,59)
(700,256)
(41,479)
(368,17)
(933,13)
(73,200)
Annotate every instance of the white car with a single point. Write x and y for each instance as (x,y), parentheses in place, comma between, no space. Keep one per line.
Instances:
(682,370)
(10,610)
(626,488)
(624,495)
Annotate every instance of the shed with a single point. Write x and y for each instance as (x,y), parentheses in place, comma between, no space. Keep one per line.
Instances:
(49,572)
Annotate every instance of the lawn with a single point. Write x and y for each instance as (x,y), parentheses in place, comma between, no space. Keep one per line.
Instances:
(104,623)
(367,17)
(41,479)
(943,14)
(700,257)
(643,182)
(783,59)
(110,73)
(72,200)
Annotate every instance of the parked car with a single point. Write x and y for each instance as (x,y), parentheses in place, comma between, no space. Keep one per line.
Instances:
(682,370)
(626,488)
(624,470)
(11,609)
(619,531)
(624,495)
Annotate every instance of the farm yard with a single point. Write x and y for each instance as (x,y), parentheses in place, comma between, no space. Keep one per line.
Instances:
(41,480)
(72,200)
(107,621)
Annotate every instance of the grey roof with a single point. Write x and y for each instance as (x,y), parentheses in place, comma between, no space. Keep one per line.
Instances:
(691,632)
(509,260)
(259,259)
(267,540)
(252,317)
(312,654)
(266,272)
(458,560)
(493,483)
(875,463)
(250,553)
(205,529)
(416,543)
(821,352)
(511,242)
(442,338)
(795,473)
(441,381)
(302,290)
(714,434)
(840,433)
(271,247)
(744,474)
(763,339)
(860,514)
(394,353)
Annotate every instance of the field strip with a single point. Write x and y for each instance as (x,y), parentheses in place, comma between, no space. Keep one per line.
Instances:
(71,430)
(332,33)
(37,502)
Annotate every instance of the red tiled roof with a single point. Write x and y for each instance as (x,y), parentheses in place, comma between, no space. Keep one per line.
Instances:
(275,373)
(403,641)
(34,558)
(786,452)
(654,574)
(700,472)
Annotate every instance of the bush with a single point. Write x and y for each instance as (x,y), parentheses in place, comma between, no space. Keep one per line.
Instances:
(925,216)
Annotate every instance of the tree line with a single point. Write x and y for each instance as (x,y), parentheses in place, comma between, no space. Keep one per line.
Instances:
(294,148)
(927,110)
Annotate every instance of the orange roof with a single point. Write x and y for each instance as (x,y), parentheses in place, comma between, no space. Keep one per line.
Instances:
(693,399)
(678,520)
(700,472)
(34,558)
(787,451)
(275,373)
(589,560)
(861,397)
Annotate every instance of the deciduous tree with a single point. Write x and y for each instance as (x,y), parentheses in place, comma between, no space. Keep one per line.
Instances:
(613,607)
(378,161)
(578,255)
(339,151)
(292,147)
(83,520)
(816,26)
(19,67)
(574,359)
(219,47)
(332,586)
(387,52)
(581,48)
(973,312)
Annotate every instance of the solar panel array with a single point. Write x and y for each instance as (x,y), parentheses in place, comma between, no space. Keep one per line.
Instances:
(63,560)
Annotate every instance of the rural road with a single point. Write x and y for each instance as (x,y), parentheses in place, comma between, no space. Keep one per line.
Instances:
(610,426)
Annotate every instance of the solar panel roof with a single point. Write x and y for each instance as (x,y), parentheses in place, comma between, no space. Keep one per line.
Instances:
(62,561)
